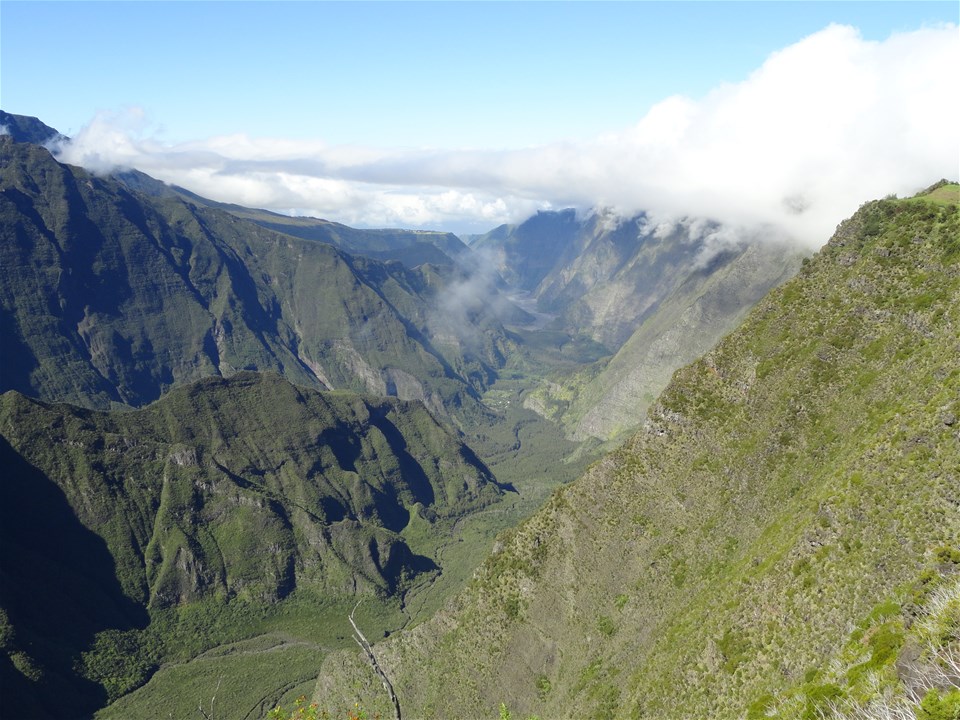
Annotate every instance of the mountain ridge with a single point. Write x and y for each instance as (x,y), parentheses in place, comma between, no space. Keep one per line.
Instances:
(799,476)
(27,129)
(212,331)
(411,247)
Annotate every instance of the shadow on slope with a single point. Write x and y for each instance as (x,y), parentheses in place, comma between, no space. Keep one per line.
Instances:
(58,589)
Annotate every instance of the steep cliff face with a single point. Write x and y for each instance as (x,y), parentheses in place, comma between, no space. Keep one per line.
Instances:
(528,253)
(284,472)
(798,481)
(650,297)
(608,401)
(603,276)
(111,296)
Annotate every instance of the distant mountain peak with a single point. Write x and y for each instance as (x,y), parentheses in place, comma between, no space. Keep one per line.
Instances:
(27,129)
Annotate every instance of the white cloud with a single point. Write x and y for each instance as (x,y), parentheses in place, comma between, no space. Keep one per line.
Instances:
(820,127)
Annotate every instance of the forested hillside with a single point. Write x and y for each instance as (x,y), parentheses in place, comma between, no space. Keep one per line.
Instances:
(270,418)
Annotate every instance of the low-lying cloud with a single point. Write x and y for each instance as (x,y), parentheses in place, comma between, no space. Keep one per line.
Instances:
(822,126)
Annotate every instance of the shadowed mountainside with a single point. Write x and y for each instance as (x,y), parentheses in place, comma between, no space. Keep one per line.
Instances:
(111,296)
(411,247)
(25,129)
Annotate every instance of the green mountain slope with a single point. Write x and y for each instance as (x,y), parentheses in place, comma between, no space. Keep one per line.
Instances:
(765,545)
(411,247)
(226,494)
(111,296)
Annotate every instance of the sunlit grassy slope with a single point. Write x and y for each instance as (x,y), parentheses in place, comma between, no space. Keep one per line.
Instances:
(801,475)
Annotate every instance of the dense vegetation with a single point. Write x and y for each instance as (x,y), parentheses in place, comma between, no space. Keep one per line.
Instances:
(116,290)
(131,539)
(780,540)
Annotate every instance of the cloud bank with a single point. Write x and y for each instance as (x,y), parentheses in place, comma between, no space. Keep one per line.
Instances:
(822,126)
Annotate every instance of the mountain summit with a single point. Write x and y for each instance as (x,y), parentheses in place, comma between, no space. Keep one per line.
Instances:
(26,129)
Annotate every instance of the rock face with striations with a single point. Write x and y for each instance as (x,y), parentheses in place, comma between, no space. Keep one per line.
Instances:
(654,296)
(113,296)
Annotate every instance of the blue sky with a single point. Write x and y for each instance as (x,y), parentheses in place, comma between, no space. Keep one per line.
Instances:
(395,85)
(453,74)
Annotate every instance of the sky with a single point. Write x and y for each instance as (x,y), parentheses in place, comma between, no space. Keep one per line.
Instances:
(461,116)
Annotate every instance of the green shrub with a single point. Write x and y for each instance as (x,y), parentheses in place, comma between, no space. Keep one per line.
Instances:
(884,644)
(120,661)
(935,706)
(947,554)
(759,708)
(543,686)
(735,647)
(505,714)
(300,711)
(818,698)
